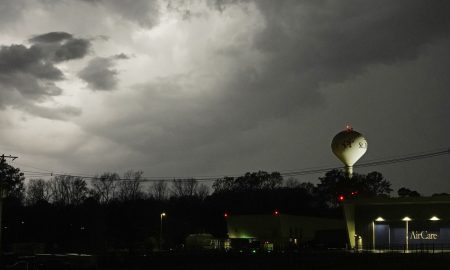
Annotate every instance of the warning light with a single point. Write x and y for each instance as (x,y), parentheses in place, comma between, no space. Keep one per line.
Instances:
(354,193)
(341,198)
(276,213)
(225,215)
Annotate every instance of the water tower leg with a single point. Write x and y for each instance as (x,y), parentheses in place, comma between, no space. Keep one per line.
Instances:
(349,171)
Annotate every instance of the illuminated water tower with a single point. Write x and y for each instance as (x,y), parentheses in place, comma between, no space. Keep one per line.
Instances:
(349,146)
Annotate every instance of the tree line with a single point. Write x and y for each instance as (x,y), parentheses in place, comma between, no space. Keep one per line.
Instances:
(72,214)
(108,187)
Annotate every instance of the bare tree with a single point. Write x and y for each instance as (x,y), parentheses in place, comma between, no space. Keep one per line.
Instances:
(104,187)
(184,187)
(202,191)
(130,188)
(291,182)
(159,190)
(38,190)
(68,189)
(189,188)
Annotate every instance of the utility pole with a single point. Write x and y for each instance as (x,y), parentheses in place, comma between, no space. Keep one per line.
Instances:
(3,158)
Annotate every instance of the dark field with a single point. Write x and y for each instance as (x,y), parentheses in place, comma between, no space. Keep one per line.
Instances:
(238,261)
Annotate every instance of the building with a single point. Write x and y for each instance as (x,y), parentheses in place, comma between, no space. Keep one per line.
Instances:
(281,232)
(204,241)
(405,224)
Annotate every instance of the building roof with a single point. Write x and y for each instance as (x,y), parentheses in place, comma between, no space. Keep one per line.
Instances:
(400,200)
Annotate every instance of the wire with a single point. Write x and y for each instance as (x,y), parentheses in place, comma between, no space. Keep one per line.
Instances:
(316,170)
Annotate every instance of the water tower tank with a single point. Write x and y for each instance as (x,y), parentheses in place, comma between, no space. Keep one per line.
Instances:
(349,146)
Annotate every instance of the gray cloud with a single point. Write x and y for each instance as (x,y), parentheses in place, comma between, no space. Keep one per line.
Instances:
(305,46)
(28,74)
(143,12)
(10,12)
(100,74)
(261,84)
(61,46)
(34,61)
(58,113)
(52,37)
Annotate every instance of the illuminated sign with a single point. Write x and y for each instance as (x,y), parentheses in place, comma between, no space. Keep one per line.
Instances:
(423,235)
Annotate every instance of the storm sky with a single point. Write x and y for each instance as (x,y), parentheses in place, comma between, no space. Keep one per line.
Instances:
(217,87)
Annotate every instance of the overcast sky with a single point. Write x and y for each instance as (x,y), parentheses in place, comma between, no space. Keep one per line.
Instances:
(217,87)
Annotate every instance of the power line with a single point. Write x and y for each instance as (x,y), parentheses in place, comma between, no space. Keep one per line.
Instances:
(287,173)
(400,159)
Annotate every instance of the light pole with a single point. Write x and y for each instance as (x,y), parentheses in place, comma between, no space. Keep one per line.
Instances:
(161,229)
(407,219)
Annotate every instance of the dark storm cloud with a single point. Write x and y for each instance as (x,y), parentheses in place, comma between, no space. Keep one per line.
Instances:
(29,74)
(305,45)
(61,46)
(143,12)
(52,37)
(100,74)
(312,43)
(32,61)
(329,35)
(121,56)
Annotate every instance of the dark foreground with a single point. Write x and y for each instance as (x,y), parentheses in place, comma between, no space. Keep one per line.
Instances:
(324,260)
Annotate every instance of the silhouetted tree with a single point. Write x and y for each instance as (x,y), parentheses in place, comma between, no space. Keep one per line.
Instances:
(130,189)
(202,191)
(374,184)
(224,184)
(335,184)
(159,190)
(38,190)
(260,180)
(440,194)
(293,183)
(184,187)
(104,187)
(68,189)
(406,192)
(11,181)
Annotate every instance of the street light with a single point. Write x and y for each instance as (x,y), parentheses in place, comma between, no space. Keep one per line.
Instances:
(161,229)
(406,219)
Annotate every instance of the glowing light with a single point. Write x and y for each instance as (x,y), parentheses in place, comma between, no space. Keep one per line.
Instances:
(406,219)
(276,212)
(163,215)
(434,218)
(341,198)
(225,215)
(379,219)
